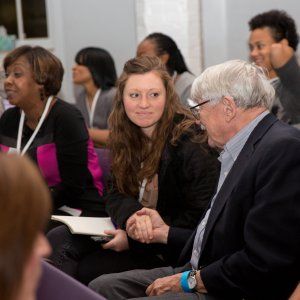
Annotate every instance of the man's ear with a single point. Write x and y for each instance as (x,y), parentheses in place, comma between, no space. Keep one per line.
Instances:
(229,108)
(164,58)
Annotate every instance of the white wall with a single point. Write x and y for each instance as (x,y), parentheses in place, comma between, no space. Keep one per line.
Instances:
(180,19)
(214,31)
(225,25)
(113,25)
(75,24)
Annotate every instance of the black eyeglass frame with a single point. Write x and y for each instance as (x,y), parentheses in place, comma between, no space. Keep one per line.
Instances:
(194,109)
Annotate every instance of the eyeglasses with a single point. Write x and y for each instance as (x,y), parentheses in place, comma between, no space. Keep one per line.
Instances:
(195,109)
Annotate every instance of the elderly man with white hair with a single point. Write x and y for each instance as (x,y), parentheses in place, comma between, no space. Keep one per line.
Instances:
(247,244)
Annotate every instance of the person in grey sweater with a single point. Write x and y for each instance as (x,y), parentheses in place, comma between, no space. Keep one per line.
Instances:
(273,41)
(95,71)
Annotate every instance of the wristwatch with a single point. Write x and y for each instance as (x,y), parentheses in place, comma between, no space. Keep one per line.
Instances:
(192,282)
(188,281)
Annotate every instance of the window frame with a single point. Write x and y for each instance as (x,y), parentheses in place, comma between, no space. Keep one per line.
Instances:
(46,42)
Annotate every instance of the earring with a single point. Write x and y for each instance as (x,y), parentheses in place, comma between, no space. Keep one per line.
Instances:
(42,95)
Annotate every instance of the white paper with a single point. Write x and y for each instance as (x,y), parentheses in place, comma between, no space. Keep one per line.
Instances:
(86,225)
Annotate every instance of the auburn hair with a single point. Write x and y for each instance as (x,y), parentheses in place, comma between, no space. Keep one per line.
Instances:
(24,212)
(135,156)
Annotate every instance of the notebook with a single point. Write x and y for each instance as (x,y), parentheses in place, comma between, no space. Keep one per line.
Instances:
(86,225)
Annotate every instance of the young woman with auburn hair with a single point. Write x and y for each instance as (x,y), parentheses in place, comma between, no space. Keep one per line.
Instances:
(129,146)
(160,160)
(24,212)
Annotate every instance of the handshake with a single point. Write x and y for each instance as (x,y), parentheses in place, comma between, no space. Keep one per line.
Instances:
(144,226)
(147,226)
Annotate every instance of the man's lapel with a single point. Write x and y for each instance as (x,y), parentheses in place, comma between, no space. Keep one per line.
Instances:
(237,169)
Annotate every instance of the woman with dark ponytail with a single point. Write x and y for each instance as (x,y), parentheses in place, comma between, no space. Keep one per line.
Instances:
(163,46)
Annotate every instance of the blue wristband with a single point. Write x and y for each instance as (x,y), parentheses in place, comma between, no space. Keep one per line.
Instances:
(184,282)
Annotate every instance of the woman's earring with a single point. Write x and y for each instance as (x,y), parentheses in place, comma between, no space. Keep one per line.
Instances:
(42,95)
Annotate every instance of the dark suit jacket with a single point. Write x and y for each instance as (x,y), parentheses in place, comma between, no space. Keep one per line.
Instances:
(251,245)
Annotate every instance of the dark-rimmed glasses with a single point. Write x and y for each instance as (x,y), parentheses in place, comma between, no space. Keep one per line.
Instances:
(195,109)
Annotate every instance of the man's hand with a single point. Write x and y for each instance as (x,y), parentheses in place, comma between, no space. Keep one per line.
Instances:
(160,230)
(280,53)
(119,242)
(139,228)
(164,285)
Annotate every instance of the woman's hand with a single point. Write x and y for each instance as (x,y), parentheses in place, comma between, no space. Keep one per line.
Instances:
(119,242)
(140,228)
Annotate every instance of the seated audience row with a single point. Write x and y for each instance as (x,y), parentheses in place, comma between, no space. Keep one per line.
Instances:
(163,169)
(246,245)
(160,160)
(273,42)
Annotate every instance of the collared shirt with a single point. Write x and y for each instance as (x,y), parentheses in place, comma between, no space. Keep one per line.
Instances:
(227,158)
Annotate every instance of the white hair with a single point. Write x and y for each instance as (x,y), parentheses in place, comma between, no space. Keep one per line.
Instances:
(245,82)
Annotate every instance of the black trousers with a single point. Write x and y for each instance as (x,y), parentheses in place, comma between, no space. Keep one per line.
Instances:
(84,259)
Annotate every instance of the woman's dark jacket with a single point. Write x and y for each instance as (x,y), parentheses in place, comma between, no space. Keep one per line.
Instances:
(187,177)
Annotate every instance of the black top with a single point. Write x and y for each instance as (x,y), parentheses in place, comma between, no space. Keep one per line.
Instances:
(63,152)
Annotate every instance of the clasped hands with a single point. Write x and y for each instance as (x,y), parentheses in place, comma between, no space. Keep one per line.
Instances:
(147,226)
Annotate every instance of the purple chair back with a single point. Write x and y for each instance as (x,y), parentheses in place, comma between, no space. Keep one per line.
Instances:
(104,161)
(57,285)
